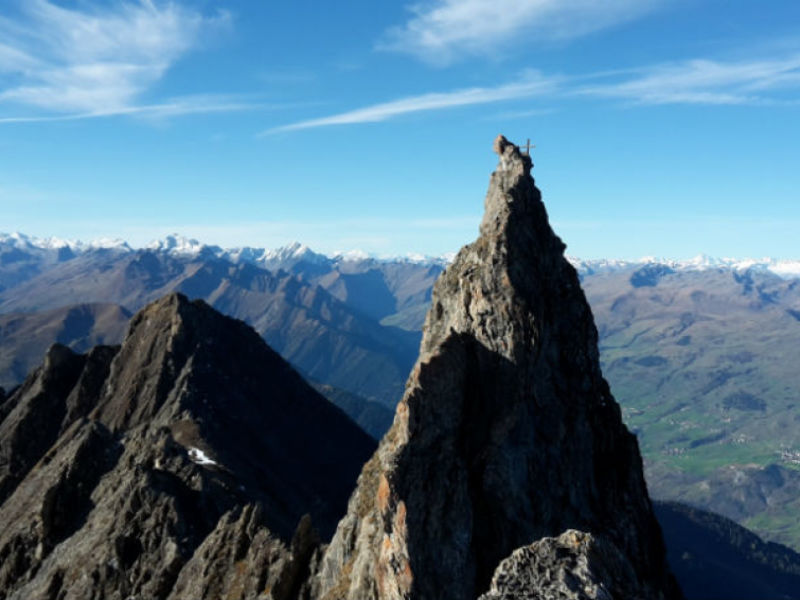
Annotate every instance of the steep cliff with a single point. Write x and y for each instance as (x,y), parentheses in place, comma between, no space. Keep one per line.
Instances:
(507,432)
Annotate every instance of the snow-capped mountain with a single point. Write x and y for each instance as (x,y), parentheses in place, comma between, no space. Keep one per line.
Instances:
(287,256)
(787,269)
(23,257)
(290,255)
(23,242)
(178,245)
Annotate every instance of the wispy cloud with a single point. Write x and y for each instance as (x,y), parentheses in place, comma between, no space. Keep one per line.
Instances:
(185,105)
(442,31)
(773,81)
(520,114)
(705,82)
(532,84)
(58,62)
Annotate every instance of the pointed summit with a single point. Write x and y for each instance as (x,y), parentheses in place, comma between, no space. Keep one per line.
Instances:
(507,433)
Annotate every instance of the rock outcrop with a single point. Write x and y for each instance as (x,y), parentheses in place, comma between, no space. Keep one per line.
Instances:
(507,432)
(178,465)
(573,566)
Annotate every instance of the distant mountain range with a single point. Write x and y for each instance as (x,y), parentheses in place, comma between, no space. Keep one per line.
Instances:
(294,253)
(699,353)
(788,269)
(322,315)
(54,249)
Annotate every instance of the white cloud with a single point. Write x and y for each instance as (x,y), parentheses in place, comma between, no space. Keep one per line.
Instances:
(185,105)
(531,85)
(442,31)
(705,82)
(89,60)
(701,82)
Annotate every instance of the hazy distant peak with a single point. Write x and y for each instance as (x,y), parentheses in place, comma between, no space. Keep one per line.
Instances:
(294,251)
(27,242)
(109,244)
(21,241)
(297,252)
(701,262)
(178,245)
(351,255)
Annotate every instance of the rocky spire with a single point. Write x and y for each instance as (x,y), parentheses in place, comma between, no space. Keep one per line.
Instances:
(507,432)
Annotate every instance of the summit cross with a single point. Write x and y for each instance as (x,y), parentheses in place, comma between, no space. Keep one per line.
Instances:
(528,146)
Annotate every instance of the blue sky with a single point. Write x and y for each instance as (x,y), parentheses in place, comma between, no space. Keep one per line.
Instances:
(663,127)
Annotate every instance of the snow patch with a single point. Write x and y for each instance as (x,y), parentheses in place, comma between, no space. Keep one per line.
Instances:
(199,457)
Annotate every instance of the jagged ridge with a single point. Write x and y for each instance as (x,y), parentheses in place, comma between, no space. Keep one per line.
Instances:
(177,465)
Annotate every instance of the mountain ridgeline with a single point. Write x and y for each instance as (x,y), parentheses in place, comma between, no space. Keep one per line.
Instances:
(318,319)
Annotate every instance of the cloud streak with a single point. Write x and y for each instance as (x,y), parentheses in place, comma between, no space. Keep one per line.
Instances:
(68,63)
(443,31)
(706,82)
(187,105)
(531,85)
(772,81)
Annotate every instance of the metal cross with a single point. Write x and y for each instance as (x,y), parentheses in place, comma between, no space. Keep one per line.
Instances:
(528,147)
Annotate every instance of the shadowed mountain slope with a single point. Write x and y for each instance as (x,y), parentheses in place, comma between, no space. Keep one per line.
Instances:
(716,559)
(330,340)
(177,465)
(25,337)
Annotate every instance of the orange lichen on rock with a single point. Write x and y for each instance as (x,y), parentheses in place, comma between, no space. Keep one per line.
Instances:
(382,497)
(400,520)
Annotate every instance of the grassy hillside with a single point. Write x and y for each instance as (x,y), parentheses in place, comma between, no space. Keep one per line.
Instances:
(703,364)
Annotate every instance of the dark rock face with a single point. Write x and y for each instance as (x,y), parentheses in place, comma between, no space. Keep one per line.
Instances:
(242,559)
(175,466)
(35,422)
(507,432)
